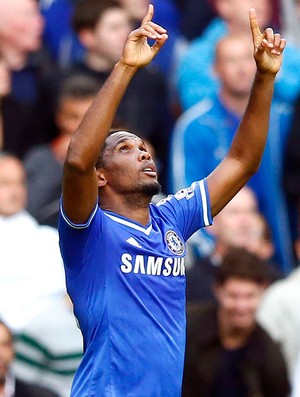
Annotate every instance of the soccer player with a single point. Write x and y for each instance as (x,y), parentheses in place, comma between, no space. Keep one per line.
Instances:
(124,257)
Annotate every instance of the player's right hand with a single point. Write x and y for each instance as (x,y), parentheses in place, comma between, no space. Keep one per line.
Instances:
(137,51)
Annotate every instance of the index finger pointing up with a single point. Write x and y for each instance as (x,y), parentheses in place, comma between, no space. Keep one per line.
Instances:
(148,17)
(253,24)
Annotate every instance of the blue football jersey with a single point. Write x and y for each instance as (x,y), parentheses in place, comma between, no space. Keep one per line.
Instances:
(127,284)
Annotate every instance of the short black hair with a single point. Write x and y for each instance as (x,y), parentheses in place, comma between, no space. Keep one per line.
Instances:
(77,85)
(87,13)
(242,264)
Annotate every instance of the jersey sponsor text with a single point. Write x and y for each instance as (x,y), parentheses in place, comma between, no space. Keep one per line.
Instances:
(152,265)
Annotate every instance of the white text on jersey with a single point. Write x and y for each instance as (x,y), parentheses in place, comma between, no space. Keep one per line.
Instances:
(152,265)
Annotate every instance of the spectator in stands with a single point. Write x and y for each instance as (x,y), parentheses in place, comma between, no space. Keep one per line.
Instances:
(279,314)
(10,386)
(227,352)
(49,348)
(31,270)
(291,176)
(194,17)
(196,78)
(290,20)
(21,29)
(296,380)
(239,225)
(59,38)
(17,134)
(44,163)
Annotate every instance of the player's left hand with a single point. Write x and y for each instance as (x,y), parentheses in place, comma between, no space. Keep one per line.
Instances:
(268,47)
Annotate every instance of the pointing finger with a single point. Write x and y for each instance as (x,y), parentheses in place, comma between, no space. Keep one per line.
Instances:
(253,24)
(148,17)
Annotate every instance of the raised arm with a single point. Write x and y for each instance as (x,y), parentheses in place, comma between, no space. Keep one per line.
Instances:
(244,156)
(80,187)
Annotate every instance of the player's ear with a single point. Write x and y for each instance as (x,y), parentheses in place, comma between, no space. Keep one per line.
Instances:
(101,179)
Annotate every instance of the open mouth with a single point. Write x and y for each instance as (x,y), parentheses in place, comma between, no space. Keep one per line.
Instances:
(150,170)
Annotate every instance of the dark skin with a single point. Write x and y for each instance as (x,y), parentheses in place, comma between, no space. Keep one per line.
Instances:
(129,173)
(125,179)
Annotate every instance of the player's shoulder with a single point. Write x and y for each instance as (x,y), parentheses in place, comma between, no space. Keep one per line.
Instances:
(178,199)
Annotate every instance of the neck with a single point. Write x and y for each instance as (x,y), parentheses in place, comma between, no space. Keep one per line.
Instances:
(134,206)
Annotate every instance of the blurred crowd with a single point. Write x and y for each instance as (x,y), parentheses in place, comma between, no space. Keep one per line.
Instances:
(54,57)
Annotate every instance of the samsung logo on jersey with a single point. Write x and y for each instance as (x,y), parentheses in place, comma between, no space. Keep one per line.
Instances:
(152,265)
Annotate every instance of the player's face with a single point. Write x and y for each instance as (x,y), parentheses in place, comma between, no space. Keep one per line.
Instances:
(6,351)
(128,166)
(238,300)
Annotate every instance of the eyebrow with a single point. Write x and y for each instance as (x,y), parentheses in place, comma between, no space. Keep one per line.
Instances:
(128,138)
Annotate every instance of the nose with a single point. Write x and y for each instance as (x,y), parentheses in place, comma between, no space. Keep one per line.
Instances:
(144,155)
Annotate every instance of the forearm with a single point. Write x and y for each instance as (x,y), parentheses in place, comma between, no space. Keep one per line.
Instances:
(249,142)
(92,132)
(244,156)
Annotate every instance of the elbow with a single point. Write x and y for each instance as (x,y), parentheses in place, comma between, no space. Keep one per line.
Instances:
(75,161)
(251,169)
(248,160)
(255,165)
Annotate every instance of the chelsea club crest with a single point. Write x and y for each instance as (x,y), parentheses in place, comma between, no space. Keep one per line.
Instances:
(174,243)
